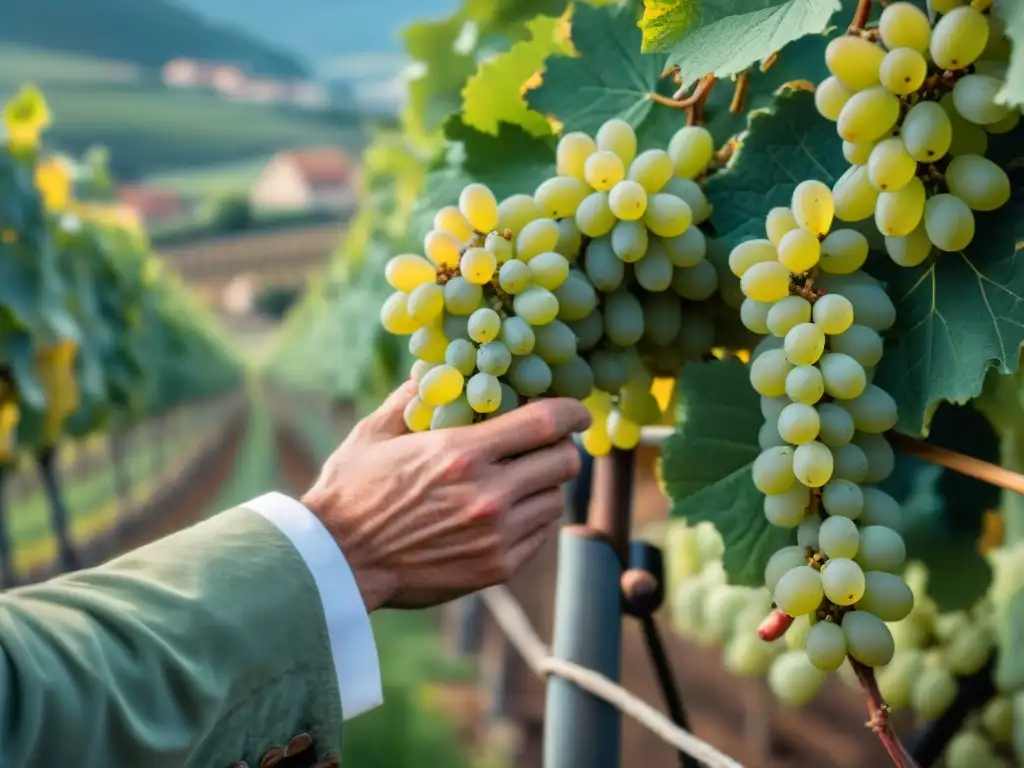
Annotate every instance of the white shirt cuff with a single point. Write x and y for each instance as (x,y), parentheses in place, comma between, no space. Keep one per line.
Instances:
(348,624)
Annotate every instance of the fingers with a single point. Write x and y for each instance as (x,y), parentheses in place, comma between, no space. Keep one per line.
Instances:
(533,426)
(389,419)
(542,469)
(532,514)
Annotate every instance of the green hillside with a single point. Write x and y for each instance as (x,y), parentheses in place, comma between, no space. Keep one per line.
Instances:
(143,32)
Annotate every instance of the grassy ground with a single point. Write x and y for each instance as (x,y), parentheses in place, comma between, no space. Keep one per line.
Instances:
(212,181)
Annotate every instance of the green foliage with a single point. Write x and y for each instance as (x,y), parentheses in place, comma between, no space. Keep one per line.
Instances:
(1011,13)
(230,213)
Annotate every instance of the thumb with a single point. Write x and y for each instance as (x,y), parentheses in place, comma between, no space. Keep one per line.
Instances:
(389,419)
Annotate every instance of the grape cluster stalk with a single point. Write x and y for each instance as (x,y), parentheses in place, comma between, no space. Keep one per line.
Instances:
(915,105)
(587,288)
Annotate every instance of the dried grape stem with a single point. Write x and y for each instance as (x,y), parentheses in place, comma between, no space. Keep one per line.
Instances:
(860,16)
(678,101)
(989,473)
(767,63)
(739,96)
(878,714)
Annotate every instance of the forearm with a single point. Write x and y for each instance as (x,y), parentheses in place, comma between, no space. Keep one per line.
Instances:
(138,661)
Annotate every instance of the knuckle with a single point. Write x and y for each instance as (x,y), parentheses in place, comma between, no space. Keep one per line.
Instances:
(571,460)
(455,462)
(489,508)
(547,423)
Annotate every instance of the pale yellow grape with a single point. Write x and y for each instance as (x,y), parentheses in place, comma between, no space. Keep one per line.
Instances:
(768,373)
(450,219)
(594,217)
(478,265)
(441,385)
(516,211)
(843,252)
(754,316)
(627,200)
(958,38)
(813,464)
(798,423)
(841,578)
(854,195)
(780,563)
(813,207)
(979,182)
(548,270)
(868,115)
(854,61)
(690,192)
(572,152)
(560,196)
(616,135)
(485,324)
(833,313)
(948,222)
(652,170)
(442,248)
(623,433)
(747,254)
(428,343)
(799,591)
(805,385)
(406,271)
(926,132)
(766,281)
(974,98)
(478,205)
(570,239)
(603,170)
(539,236)
(804,344)
(667,215)
(779,221)
(868,640)
(844,377)
(826,645)
(536,305)
(799,250)
(967,138)
(897,213)
(417,415)
(595,440)
(499,246)
(786,313)
(419,367)
(858,154)
(426,302)
(903,25)
(691,148)
(909,250)
(830,96)
(807,532)
(903,71)
(483,392)
(395,317)
(890,165)
(772,470)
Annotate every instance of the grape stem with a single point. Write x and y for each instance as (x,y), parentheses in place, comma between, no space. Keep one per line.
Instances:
(679,100)
(989,473)
(739,96)
(878,717)
(860,16)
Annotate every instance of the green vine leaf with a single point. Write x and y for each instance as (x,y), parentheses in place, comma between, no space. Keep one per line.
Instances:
(1011,13)
(706,466)
(724,37)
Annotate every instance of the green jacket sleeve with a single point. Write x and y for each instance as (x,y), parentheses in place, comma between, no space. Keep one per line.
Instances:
(206,648)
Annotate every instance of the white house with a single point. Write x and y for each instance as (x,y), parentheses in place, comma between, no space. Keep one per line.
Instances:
(311,179)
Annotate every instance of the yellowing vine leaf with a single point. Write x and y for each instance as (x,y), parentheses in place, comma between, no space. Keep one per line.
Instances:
(25,117)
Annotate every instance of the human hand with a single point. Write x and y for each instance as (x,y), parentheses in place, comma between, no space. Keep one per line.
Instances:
(427,517)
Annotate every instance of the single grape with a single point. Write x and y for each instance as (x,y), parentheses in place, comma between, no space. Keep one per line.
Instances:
(539,236)
(886,596)
(457,413)
(428,343)
(780,563)
(493,358)
(408,271)
(854,196)
(754,315)
(997,719)
(570,239)
(499,246)
(903,25)
(793,680)
(974,98)
(890,166)
(868,640)
(765,281)
(813,207)
(859,153)
(854,61)
(483,393)
(426,302)
(576,297)
(850,463)
(478,265)
(833,313)
(442,248)
(687,249)
(629,240)
(826,645)
(461,355)
(573,378)
(768,373)
(589,331)
(667,215)
(515,212)
(690,192)
(799,591)
(838,536)
(572,152)
(603,170)
(441,385)
(933,691)
(799,250)
(898,212)
(873,411)
(419,367)
(786,510)
(601,264)
(830,97)
(805,385)
(958,38)
(555,342)
(623,433)
(844,377)
(773,470)
(394,315)
(450,219)
(813,464)
(871,306)
(836,425)
(880,455)
(417,415)
(807,532)
(968,749)
(654,272)
(843,500)
(948,222)
(594,217)
(786,313)
(804,344)
(696,283)
(869,114)
(880,509)
(779,221)
(478,205)
(844,251)
(484,325)
(616,135)
(912,249)
(627,200)
(926,132)
(903,71)
(560,196)
(652,170)
(771,407)
(979,182)
(517,334)
(513,277)
(798,423)
(747,254)
(610,370)
(536,305)
(881,549)
(548,270)
(691,148)
(623,319)
(529,375)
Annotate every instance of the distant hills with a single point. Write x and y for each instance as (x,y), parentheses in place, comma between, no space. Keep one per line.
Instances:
(144,32)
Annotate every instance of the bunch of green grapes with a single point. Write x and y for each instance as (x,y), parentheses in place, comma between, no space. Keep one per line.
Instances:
(915,111)
(587,288)
(823,439)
